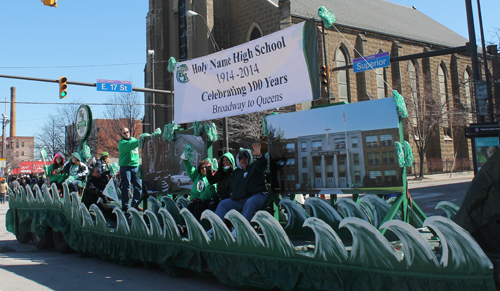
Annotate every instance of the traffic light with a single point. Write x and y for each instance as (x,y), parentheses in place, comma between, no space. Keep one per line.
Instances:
(324,75)
(62,87)
(51,3)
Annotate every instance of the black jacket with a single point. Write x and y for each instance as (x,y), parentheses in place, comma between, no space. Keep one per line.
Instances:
(221,178)
(94,190)
(245,185)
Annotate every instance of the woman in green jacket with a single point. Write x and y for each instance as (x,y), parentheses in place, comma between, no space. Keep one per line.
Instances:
(55,172)
(202,191)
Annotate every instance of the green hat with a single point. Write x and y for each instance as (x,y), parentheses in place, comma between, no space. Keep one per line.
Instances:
(76,155)
(104,154)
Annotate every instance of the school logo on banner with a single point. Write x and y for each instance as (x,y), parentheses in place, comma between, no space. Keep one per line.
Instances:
(181,74)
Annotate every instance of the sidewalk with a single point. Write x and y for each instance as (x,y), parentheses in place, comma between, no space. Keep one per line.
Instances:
(441,177)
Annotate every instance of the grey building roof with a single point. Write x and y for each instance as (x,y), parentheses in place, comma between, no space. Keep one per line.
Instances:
(382,17)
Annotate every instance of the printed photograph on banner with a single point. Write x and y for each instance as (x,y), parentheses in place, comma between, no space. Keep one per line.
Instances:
(262,74)
(162,167)
(334,150)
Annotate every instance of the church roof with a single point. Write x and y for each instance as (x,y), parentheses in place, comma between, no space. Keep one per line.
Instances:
(382,17)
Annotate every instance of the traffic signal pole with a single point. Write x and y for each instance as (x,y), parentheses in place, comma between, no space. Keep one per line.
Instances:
(137,89)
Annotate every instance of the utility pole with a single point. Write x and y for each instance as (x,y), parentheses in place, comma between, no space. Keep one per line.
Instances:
(472,47)
(5,121)
(152,86)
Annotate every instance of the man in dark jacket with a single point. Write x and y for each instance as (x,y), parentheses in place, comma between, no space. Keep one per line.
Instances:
(247,185)
(93,193)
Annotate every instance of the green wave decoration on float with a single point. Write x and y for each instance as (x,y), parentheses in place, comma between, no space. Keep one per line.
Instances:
(449,208)
(262,255)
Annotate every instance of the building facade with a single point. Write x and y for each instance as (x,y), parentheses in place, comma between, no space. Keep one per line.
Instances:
(363,27)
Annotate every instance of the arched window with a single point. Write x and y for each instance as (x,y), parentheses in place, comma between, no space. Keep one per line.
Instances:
(380,75)
(254,31)
(413,106)
(22,144)
(17,144)
(467,96)
(342,75)
(443,100)
(22,153)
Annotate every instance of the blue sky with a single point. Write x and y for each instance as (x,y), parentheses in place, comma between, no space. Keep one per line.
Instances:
(90,40)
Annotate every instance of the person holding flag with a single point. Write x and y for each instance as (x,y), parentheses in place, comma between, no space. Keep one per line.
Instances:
(93,193)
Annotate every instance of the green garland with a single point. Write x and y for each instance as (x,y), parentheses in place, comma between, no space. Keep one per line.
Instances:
(189,152)
(197,128)
(215,164)
(211,131)
(408,154)
(156,133)
(114,169)
(326,16)
(400,104)
(84,152)
(171,64)
(169,130)
(142,139)
(400,154)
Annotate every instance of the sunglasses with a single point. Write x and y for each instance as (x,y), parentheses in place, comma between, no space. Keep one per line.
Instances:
(125,132)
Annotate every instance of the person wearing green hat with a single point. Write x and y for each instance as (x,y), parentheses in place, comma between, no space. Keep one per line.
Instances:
(77,172)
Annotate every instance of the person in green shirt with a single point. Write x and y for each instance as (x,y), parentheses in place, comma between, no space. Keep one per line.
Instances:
(202,191)
(128,148)
(55,172)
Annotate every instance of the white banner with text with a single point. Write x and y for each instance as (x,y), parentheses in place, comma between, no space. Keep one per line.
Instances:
(262,74)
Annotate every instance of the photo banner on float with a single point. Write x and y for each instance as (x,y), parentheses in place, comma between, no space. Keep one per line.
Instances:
(262,74)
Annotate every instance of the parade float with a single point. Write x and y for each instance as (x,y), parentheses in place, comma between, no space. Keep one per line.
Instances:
(360,242)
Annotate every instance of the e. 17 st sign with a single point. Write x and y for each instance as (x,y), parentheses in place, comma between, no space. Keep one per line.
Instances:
(371,62)
(113,85)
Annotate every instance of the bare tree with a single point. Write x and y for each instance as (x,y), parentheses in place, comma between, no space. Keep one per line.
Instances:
(428,112)
(58,133)
(125,112)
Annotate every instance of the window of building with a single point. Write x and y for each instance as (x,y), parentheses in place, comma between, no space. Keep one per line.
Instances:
(390,175)
(290,162)
(341,159)
(304,146)
(316,161)
(371,141)
(254,32)
(355,159)
(329,174)
(22,153)
(357,176)
(317,145)
(329,160)
(443,93)
(373,158)
(22,144)
(290,177)
(388,157)
(380,75)
(17,144)
(17,154)
(376,175)
(340,143)
(290,147)
(354,142)
(317,175)
(467,96)
(305,179)
(413,106)
(304,162)
(342,75)
(386,140)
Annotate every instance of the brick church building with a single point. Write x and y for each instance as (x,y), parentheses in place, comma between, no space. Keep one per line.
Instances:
(363,27)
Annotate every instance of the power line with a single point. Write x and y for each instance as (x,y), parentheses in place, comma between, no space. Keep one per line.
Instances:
(79,103)
(77,66)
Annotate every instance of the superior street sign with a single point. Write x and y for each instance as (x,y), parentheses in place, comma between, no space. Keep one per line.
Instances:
(371,62)
(113,85)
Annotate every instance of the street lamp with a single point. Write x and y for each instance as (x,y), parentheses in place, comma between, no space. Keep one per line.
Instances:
(5,121)
(225,138)
(151,53)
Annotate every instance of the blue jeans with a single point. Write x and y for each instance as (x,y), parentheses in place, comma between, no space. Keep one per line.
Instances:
(73,186)
(247,206)
(125,172)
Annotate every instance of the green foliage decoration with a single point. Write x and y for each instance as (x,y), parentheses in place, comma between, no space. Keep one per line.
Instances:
(169,131)
(211,131)
(400,153)
(171,64)
(326,16)
(400,104)
(408,154)
(197,128)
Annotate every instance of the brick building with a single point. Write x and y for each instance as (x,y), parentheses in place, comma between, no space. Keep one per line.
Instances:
(365,27)
(19,149)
